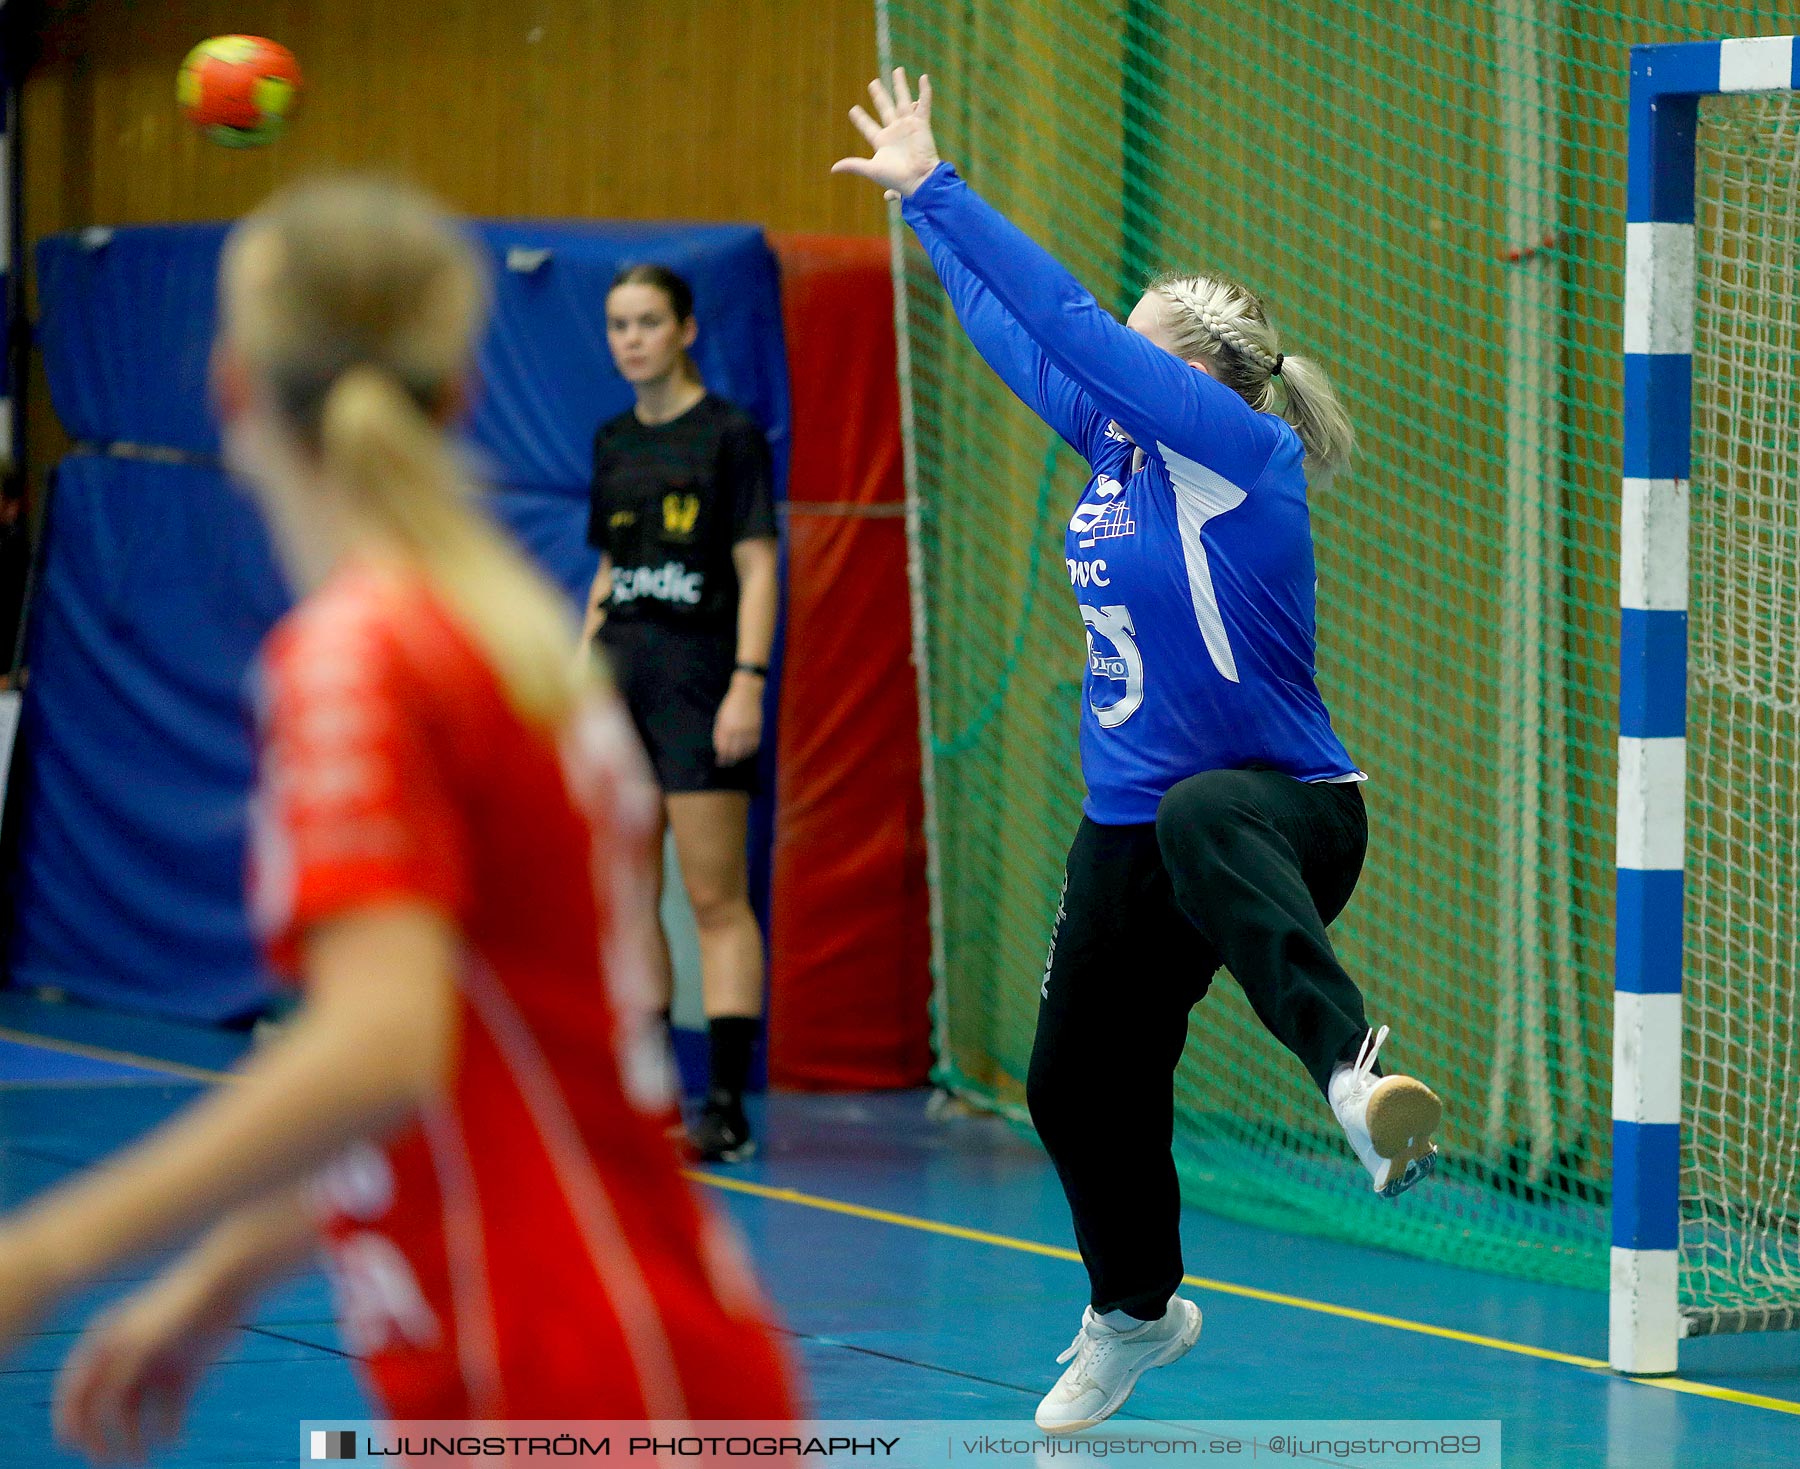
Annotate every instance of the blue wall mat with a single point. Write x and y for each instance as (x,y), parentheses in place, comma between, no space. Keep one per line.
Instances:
(159,583)
(158,586)
(128,318)
(126,328)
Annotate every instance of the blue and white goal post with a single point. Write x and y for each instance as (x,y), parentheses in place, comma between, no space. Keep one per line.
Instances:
(1667,83)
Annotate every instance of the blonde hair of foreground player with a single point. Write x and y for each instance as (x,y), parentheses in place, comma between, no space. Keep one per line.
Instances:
(377,1037)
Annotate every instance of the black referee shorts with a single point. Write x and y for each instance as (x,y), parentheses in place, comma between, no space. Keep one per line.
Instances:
(673,680)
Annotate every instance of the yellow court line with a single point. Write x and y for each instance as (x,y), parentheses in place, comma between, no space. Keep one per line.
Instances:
(106,1053)
(1225,1287)
(1723,1394)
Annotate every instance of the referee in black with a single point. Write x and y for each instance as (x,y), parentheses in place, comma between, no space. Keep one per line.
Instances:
(684,603)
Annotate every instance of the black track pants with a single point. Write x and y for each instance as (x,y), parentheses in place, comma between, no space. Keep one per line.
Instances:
(1242,868)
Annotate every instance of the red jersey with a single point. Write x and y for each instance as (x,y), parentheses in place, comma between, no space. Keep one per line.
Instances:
(527,1249)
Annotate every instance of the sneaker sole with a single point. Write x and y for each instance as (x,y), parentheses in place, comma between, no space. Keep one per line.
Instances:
(1415,1173)
(1174,1350)
(1403,1114)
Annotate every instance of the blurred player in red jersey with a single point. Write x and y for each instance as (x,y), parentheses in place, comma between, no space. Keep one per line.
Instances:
(451,858)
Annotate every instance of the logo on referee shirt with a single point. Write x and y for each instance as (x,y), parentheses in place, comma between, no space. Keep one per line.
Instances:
(333,1443)
(670,582)
(680,513)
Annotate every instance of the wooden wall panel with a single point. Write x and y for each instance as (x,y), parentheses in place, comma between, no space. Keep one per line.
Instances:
(675,109)
(698,109)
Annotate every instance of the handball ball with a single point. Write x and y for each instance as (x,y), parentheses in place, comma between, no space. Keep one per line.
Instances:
(239,90)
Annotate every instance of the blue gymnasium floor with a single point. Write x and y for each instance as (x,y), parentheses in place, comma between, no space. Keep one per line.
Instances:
(922,1268)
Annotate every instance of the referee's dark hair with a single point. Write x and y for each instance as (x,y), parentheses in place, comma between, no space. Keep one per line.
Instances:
(679,292)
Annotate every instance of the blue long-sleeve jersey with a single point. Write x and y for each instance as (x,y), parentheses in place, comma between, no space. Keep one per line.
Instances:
(1190,553)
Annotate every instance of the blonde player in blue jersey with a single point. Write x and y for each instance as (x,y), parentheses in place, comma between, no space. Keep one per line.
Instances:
(1224,823)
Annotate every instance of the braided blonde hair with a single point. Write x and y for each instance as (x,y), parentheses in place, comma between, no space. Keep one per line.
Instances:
(1224,324)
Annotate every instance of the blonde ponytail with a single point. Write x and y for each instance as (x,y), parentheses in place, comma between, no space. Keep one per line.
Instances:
(1312,407)
(360,300)
(1224,324)
(375,442)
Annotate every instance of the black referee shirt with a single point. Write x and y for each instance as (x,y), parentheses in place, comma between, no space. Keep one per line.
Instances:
(668,503)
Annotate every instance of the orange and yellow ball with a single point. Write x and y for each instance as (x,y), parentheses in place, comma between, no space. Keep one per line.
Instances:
(239,91)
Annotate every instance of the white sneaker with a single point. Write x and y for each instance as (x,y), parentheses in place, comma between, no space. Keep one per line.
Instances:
(1108,1363)
(1388,1119)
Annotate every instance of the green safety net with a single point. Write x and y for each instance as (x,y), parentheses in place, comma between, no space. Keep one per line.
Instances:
(1430,200)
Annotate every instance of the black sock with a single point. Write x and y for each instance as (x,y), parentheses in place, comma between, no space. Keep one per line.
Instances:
(732,1038)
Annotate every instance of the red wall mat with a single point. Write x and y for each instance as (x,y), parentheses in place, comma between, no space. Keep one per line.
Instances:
(849,983)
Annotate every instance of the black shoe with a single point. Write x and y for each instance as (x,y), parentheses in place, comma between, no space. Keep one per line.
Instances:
(721,1133)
